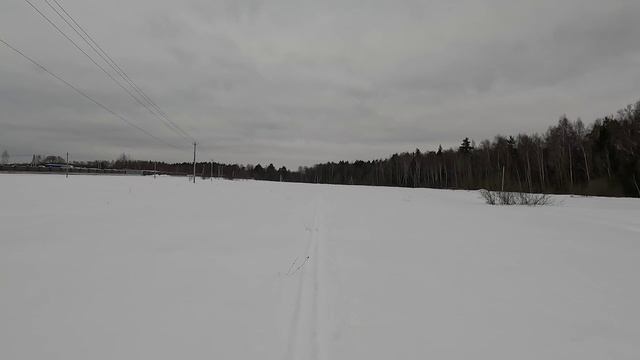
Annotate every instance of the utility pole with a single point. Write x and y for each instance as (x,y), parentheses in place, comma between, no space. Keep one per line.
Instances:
(67,175)
(155,169)
(194,162)
(211,170)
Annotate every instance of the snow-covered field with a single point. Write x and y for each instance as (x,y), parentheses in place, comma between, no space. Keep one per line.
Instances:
(98,267)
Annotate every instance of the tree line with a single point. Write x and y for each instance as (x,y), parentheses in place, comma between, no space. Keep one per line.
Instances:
(570,157)
(600,159)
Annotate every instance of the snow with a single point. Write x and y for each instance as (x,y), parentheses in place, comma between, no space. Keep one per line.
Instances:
(117,267)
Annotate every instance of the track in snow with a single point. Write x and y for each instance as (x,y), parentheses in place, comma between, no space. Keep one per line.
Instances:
(304,338)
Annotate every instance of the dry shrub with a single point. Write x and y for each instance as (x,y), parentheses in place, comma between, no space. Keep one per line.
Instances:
(515,198)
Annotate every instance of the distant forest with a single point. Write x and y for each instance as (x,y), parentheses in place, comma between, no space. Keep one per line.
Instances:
(600,159)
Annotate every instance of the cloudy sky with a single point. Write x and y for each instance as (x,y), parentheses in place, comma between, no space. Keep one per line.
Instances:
(295,82)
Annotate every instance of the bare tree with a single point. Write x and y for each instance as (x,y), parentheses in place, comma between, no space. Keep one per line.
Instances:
(581,133)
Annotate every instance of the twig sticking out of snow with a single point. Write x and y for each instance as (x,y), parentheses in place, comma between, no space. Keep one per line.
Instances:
(301,265)
(292,265)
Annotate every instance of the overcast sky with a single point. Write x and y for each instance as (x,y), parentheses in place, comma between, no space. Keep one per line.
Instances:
(296,82)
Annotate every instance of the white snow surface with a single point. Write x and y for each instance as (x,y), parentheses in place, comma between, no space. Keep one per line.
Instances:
(114,267)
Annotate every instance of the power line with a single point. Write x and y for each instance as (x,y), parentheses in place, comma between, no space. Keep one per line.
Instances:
(98,65)
(117,68)
(114,65)
(83,94)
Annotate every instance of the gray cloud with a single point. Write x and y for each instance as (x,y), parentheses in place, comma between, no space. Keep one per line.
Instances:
(297,82)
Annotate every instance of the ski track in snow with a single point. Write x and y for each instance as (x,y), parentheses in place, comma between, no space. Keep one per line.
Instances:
(304,333)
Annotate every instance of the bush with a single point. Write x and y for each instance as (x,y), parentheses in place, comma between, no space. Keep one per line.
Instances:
(490,197)
(515,198)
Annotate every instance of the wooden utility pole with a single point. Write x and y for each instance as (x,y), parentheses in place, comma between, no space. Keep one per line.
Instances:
(194,162)
(67,174)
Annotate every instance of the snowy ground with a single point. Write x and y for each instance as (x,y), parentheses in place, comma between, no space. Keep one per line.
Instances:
(98,267)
